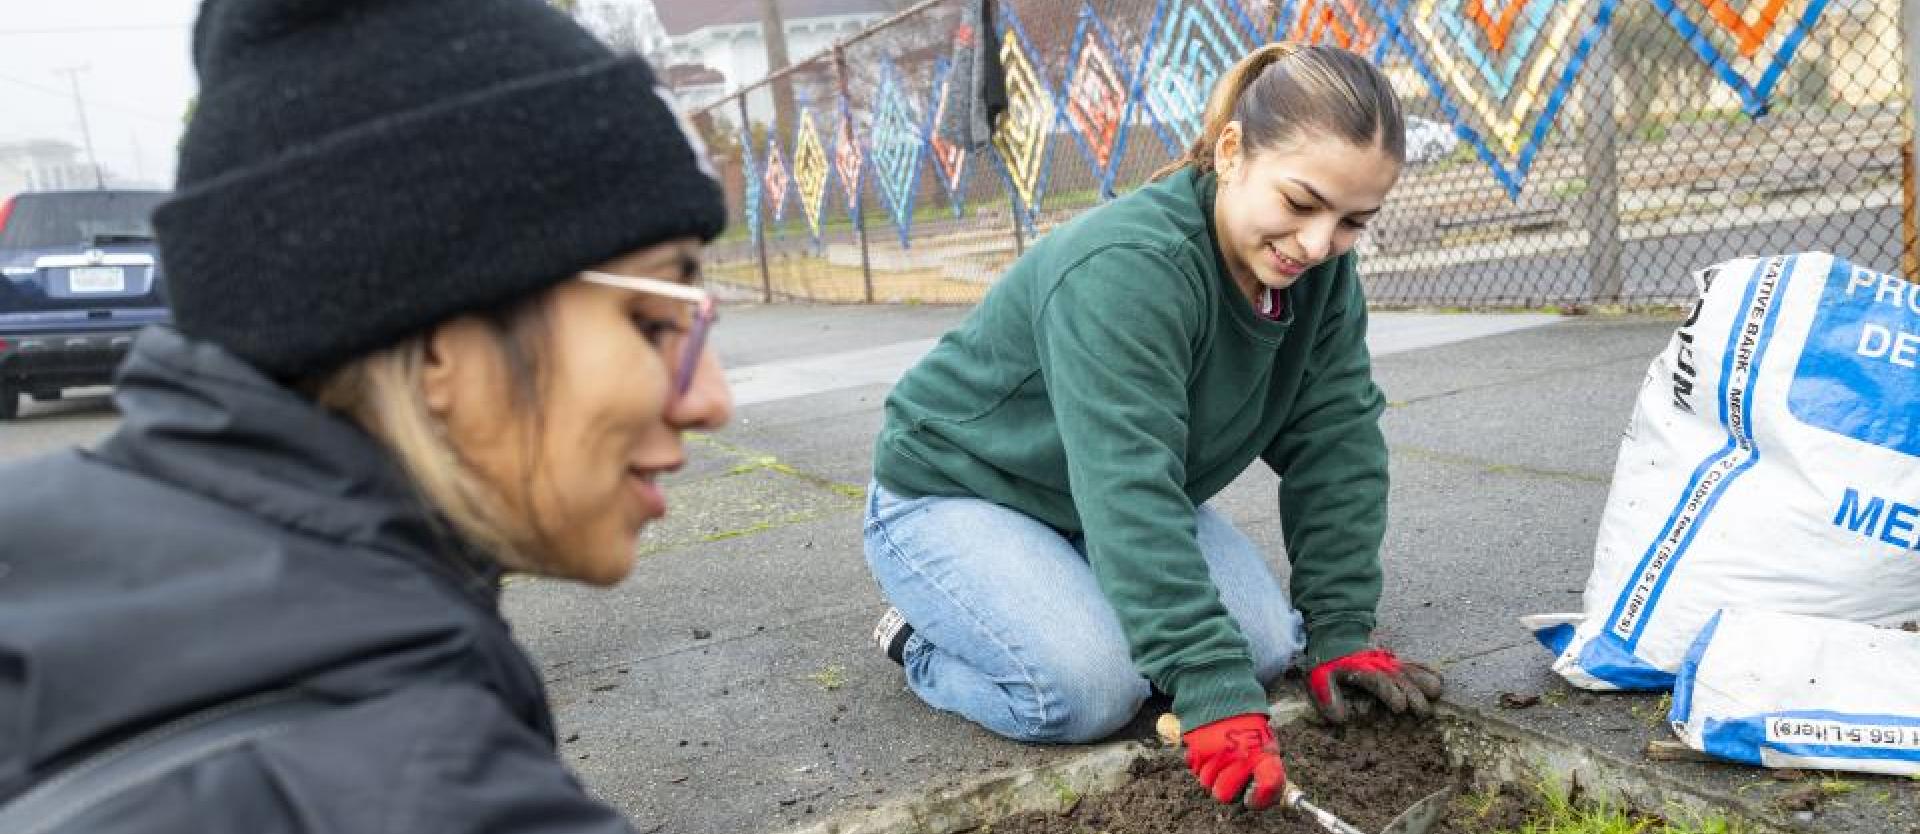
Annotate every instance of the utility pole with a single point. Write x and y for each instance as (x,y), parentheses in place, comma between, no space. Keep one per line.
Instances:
(139,156)
(86,135)
(773,28)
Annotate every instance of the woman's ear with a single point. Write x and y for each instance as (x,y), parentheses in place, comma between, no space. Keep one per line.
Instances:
(1227,148)
(449,361)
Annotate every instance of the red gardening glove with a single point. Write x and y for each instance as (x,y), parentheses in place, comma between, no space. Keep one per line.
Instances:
(1401,685)
(1231,751)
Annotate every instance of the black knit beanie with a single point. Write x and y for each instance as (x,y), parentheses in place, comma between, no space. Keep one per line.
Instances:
(359,170)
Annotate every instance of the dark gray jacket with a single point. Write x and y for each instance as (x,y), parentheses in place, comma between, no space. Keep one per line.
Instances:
(231,539)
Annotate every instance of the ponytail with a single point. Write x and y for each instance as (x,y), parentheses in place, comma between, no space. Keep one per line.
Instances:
(1320,90)
(1221,104)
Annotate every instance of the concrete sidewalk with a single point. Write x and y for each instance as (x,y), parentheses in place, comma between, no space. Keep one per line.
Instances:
(728,686)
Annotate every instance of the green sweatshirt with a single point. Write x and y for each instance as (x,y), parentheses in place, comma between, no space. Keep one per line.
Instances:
(1116,378)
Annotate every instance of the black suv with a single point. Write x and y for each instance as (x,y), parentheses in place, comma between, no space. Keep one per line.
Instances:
(81,276)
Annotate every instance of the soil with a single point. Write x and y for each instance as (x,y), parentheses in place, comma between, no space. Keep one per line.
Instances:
(1366,776)
(1800,799)
(1515,700)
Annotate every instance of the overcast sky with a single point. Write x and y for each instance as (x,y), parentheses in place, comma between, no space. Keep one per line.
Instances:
(137,76)
(136,79)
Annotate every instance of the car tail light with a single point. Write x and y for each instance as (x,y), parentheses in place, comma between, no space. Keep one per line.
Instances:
(6,211)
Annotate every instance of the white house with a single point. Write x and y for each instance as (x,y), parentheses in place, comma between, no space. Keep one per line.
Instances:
(651,35)
(694,85)
(43,165)
(724,36)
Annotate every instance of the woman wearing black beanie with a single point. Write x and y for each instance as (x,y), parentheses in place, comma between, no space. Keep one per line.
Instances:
(434,270)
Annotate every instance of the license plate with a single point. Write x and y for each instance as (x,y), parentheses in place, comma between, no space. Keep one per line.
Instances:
(97,279)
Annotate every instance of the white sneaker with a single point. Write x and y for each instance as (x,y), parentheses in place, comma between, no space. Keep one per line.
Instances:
(891,634)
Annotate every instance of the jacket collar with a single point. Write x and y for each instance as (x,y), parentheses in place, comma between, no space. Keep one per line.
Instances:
(200,418)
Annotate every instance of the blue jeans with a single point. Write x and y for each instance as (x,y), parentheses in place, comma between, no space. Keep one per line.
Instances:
(1010,629)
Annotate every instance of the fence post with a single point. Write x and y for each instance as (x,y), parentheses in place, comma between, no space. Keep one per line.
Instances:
(1910,214)
(1019,235)
(759,220)
(1013,203)
(859,205)
(1600,158)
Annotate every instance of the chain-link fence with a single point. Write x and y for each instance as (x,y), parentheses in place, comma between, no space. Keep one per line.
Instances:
(1738,127)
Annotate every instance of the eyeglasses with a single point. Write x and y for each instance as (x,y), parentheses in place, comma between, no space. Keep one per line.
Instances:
(692,334)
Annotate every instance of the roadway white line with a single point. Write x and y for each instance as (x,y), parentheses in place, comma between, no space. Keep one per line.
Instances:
(772,381)
(1388,333)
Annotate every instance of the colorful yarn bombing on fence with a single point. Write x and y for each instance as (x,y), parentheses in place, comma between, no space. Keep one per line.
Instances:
(898,138)
(750,201)
(1748,50)
(1500,63)
(777,180)
(1097,99)
(847,161)
(810,173)
(1196,41)
(1023,132)
(1518,25)
(1256,32)
(950,159)
(1348,24)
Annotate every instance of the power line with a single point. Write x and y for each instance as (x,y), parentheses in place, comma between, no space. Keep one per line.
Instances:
(32,86)
(105,105)
(88,30)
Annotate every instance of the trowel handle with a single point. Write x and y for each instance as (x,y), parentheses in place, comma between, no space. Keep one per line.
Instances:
(1294,798)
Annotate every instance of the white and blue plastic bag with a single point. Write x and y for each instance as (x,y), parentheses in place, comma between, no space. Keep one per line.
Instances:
(1772,463)
(1785,690)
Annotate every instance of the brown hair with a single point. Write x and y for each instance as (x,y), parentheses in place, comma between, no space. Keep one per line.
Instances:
(1283,90)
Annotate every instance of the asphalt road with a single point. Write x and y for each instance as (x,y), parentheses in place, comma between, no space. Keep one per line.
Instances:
(1656,269)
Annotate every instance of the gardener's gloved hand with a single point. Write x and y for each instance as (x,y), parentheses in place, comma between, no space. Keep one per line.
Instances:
(1228,753)
(1399,685)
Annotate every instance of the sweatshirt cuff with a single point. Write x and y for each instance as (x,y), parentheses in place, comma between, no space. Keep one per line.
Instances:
(1336,639)
(1205,694)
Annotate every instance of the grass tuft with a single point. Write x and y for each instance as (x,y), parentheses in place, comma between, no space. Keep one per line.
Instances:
(1835,786)
(830,678)
(1564,814)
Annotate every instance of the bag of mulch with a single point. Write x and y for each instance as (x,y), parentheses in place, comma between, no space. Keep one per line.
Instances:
(1772,463)
(1785,690)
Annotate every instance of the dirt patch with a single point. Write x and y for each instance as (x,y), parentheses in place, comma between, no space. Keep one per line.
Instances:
(1804,798)
(1367,776)
(1515,700)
